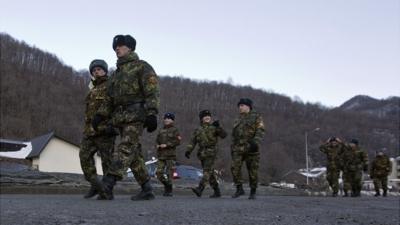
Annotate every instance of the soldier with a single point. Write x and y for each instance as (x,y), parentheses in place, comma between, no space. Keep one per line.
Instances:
(333,148)
(132,102)
(102,140)
(206,137)
(168,139)
(354,162)
(248,131)
(380,170)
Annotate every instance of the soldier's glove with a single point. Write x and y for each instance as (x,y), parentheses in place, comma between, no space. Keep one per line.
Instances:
(187,154)
(216,123)
(96,121)
(150,123)
(365,168)
(253,146)
(111,131)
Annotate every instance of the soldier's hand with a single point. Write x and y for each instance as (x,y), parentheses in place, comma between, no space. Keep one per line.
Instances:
(216,123)
(150,123)
(253,146)
(187,154)
(163,146)
(96,121)
(111,131)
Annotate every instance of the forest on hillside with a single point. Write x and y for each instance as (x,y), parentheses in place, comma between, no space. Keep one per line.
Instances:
(39,93)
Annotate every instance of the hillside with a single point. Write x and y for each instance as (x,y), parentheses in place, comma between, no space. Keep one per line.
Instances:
(39,94)
(385,108)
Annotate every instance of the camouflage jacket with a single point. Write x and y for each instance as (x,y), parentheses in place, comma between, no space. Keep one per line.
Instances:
(333,154)
(381,166)
(133,92)
(206,137)
(168,135)
(248,127)
(94,99)
(354,159)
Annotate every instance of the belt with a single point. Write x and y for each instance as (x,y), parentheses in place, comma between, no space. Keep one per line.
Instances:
(130,106)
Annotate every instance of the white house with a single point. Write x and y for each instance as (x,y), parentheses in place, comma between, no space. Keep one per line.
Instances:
(51,153)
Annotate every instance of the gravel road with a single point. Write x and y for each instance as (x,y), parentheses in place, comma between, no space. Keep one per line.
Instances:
(184,209)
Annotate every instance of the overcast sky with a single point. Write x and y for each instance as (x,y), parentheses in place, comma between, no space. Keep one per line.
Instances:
(322,51)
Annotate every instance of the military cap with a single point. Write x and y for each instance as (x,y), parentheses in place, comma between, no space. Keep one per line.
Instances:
(204,113)
(246,101)
(169,115)
(126,40)
(98,63)
(354,141)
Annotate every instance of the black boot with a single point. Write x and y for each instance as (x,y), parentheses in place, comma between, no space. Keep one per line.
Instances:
(384,193)
(252,193)
(92,192)
(145,194)
(167,190)
(198,190)
(239,191)
(106,189)
(345,194)
(377,193)
(217,193)
(334,194)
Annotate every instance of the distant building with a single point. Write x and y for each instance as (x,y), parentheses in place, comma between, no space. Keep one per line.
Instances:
(14,149)
(316,176)
(48,153)
(395,174)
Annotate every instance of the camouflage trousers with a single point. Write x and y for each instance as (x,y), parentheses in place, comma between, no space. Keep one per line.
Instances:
(332,176)
(209,176)
(352,181)
(165,170)
(128,154)
(104,145)
(380,182)
(239,155)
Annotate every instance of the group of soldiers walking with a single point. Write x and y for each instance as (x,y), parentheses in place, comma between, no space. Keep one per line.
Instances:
(126,103)
(349,159)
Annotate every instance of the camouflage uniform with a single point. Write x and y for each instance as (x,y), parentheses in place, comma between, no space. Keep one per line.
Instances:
(206,137)
(380,169)
(95,141)
(247,129)
(333,153)
(354,162)
(168,135)
(133,95)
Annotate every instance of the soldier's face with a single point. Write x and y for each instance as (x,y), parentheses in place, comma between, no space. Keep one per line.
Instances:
(207,119)
(98,72)
(244,109)
(168,121)
(122,50)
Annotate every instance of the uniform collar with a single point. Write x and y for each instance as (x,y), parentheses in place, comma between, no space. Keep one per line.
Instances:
(129,58)
(100,80)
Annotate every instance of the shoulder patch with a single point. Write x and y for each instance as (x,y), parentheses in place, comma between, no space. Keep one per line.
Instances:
(260,124)
(153,80)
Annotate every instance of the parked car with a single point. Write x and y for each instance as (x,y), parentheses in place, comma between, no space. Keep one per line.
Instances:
(180,171)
